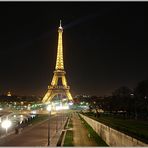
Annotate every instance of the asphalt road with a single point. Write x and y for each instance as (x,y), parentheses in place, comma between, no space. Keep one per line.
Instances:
(36,135)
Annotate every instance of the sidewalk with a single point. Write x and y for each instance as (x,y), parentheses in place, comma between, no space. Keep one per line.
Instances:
(56,137)
(80,133)
(36,135)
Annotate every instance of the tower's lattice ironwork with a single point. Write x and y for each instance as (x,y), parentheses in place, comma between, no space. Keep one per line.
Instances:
(59,75)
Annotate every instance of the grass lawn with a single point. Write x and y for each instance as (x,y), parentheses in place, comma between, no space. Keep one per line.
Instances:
(93,134)
(68,138)
(134,128)
(68,141)
(70,125)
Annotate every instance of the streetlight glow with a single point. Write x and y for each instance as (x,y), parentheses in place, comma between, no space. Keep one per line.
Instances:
(70,103)
(49,108)
(6,124)
(33,112)
(59,107)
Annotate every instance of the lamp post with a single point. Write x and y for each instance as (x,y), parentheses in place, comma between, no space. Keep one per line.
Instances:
(0,123)
(135,107)
(56,121)
(49,110)
(61,112)
(146,103)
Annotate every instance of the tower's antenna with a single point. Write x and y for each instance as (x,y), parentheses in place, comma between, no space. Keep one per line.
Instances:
(60,23)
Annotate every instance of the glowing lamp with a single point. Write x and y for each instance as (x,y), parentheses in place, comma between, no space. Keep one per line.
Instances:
(6,124)
(33,112)
(70,103)
(49,108)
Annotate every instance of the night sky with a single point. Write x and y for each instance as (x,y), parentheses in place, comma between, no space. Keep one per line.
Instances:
(105,45)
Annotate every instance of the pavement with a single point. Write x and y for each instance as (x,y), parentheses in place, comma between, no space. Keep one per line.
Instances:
(36,135)
(81,135)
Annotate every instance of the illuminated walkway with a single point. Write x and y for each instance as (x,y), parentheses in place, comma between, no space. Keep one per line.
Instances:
(35,135)
(81,135)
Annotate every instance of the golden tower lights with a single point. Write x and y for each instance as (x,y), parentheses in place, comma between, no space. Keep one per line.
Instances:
(59,74)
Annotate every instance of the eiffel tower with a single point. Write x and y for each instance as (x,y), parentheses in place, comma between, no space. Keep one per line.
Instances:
(57,88)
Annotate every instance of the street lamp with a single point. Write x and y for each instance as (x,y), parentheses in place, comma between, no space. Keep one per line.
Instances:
(56,121)
(135,107)
(6,124)
(49,110)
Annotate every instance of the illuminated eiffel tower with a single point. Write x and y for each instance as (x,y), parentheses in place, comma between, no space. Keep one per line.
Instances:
(56,87)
